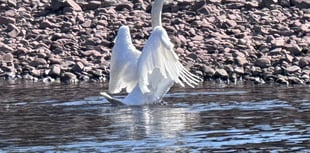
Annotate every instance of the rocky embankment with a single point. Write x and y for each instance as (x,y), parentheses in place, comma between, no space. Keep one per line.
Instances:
(67,40)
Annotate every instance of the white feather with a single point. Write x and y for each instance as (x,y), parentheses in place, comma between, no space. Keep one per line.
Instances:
(123,62)
(158,54)
(149,76)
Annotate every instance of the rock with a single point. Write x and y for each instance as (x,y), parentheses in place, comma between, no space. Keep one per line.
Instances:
(7,58)
(60,4)
(285,3)
(13,30)
(239,70)
(78,67)
(5,48)
(295,80)
(208,71)
(279,42)
(221,73)
(267,3)
(55,60)
(282,79)
(263,62)
(4,20)
(301,3)
(293,69)
(304,61)
(94,53)
(197,38)
(68,77)
(193,56)
(294,49)
(55,71)
(12,2)
(38,62)
(120,7)
(47,24)
(36,73)
(48,79)
(96,73)
(241,61)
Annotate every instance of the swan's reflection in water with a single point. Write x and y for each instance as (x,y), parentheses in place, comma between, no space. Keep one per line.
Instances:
(161,121)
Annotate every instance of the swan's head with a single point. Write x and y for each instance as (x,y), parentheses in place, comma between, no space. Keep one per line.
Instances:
(123,34)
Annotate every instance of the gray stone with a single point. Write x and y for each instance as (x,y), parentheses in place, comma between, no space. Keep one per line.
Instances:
(301,3)
(5,48)
(55,71)
(7,20)
(221,73)
(263,62)
(208,71)
(38,62)
(36,73)
(69,77)
(8,57)
(293,49)
(304,61)
(293,69)
(78,67)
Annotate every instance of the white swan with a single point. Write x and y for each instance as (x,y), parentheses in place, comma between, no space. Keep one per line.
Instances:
(147,76)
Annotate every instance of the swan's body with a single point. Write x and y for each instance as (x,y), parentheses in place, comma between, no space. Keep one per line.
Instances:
(151,74)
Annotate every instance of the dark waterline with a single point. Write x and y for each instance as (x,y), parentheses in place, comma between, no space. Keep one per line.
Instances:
(37,117)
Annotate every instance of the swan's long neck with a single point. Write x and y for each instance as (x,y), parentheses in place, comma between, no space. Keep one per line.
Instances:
(156,13)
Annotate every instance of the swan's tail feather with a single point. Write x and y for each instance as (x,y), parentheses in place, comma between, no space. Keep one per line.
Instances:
(112,100)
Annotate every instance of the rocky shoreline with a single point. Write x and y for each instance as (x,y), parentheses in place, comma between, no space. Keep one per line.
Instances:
(65,40)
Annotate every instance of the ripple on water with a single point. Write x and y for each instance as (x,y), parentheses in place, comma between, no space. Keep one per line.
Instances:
(209,119)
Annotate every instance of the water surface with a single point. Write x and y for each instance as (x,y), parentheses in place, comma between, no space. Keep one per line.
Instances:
(37,117)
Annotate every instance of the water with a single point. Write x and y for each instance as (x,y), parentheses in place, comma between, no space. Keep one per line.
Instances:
(36,117)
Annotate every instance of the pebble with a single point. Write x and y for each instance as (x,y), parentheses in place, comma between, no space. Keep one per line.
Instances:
(226,39)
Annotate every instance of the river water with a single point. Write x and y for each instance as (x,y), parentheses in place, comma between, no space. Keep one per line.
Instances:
(38,117)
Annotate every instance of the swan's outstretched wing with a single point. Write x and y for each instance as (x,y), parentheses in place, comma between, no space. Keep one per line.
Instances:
(158,54)
(123,68)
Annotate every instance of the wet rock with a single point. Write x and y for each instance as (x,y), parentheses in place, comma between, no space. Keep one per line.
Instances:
(239,70)
(55,71)
(69,77)
(282,80)
(221,73)
(208,71)
(294,80)
(36,73)
(48,79)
